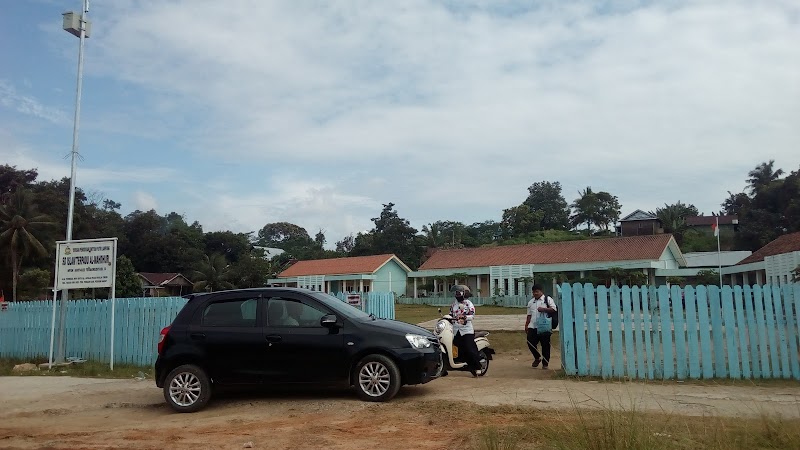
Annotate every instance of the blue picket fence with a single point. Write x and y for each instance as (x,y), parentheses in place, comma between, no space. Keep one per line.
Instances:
(673,333)
(25,327)
(506,301)
(381,304)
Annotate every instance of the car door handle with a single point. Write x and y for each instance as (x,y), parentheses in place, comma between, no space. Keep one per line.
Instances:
(273,338)
(198,336)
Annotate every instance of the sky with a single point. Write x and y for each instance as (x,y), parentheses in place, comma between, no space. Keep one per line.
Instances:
(239,113)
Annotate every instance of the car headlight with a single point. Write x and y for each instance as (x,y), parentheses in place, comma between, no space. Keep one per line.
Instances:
(418,341)
(440,326)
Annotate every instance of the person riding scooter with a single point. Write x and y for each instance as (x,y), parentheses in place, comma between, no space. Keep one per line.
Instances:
(452,357)
(463,311)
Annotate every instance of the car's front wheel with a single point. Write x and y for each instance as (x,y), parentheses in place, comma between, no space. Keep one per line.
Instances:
(187,388)
(377,378)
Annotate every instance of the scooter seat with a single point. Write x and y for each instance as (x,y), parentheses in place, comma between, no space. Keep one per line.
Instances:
(481,334)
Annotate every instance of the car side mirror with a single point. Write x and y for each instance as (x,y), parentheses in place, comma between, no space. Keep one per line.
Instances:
(329,321)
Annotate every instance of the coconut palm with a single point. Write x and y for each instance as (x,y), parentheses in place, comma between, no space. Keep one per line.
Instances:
(763,175)
(212,274)
(586,207)
(673,218)
(20,223)
(432,232)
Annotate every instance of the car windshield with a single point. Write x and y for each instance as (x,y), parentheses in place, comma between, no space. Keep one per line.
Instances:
(340,307)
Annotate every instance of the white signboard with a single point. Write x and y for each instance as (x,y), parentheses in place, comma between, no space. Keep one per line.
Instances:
(354,300)
(85,264)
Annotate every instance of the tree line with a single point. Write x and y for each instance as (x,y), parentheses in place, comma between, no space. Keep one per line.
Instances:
(33,216)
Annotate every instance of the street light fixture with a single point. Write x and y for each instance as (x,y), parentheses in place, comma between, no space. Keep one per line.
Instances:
(80,27)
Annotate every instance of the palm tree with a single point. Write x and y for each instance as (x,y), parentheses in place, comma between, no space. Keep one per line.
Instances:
(19,220)
(586,209)
(212,274)
(432,234)
(673,218)
(763,175)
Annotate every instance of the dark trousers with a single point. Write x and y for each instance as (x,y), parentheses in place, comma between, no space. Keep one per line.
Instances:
(467,349)
(534,339)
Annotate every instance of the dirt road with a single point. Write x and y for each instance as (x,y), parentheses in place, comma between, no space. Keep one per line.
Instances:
(61,412)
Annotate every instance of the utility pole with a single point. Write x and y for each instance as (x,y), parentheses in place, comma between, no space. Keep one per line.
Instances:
(81,32)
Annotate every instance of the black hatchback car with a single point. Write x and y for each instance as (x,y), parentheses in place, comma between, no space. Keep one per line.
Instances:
(286,335)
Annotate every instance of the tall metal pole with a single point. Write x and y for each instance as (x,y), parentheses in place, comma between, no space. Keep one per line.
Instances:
(61,356)
(719,253)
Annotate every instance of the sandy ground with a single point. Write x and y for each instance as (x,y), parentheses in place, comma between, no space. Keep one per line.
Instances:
(63,412)
(508,322)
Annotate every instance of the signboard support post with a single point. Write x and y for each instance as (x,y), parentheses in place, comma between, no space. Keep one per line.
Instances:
(88,264)
(113,303)
(53,327)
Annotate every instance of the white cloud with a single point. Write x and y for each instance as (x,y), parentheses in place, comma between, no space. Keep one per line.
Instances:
(144,201)
(95,176)
(286,198)
(452,109)
(29,105)
(569,91)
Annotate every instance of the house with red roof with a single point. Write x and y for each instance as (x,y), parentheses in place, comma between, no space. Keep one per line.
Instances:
(772,263)
(502,269)
(164,284)
(703,223)
(376,273)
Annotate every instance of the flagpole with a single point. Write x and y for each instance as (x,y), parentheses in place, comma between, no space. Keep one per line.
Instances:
(719,253)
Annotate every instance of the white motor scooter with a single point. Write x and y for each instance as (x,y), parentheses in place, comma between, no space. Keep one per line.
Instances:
(450,357)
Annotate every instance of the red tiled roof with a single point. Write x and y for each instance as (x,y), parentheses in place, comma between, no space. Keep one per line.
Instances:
(785,244)
(593,250)
(698,221)
(336,266)
(156,279)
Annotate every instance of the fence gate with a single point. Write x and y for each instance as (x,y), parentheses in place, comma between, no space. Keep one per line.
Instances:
(673,333)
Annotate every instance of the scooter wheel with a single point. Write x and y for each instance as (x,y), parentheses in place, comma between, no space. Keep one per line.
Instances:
(484,359)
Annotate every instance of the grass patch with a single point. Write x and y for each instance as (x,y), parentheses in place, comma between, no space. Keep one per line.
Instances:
(512,428)
(767,382)
(89,369)
(422,313)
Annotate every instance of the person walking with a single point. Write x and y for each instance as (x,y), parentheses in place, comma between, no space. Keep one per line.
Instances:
(540,305)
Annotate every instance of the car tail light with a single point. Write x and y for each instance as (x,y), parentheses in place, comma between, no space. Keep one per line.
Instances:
(162,338)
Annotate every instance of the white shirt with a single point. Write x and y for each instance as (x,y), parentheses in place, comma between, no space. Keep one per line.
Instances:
(534,305)
(466,310)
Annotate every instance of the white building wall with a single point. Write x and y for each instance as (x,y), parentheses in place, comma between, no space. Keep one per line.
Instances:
(668,260)
(779,267)
(503,277)
(313,282)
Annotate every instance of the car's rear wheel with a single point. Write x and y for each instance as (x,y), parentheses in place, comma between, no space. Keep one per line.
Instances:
(187,388)
(377,378)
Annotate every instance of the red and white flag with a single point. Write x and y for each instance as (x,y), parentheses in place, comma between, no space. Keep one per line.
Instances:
(715,227)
